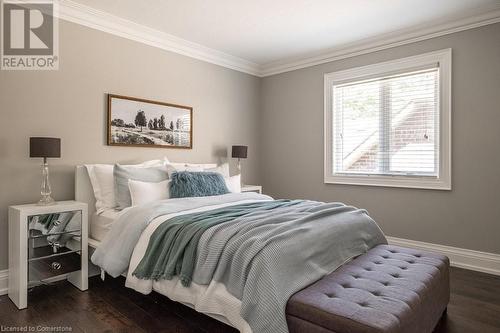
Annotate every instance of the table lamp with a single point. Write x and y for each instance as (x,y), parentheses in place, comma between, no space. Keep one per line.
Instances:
(239,152)
(45,148)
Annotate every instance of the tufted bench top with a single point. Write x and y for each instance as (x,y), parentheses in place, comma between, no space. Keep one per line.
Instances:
(387,289)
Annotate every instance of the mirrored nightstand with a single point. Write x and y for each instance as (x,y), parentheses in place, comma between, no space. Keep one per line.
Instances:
(46,244)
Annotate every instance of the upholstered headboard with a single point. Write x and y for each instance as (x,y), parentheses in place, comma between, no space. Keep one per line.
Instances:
(83,188)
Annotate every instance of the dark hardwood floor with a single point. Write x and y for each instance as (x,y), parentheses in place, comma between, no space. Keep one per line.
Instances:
(110,307)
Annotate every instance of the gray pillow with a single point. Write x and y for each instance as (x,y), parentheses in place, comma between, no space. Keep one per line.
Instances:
(123,173)
(187,184)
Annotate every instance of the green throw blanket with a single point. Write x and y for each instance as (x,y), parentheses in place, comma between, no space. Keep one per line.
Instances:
(173,245)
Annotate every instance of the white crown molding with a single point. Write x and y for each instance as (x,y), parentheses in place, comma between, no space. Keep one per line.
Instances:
(4,282)
(99,20)
(102,21)
(469,259)
(379,43)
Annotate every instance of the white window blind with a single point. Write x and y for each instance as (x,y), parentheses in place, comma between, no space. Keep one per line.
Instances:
(388,125)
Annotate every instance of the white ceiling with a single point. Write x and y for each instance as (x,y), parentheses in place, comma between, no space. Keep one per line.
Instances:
(270,31)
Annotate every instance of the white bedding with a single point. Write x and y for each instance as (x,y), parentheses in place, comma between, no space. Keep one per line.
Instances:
(213,300)
(100,224)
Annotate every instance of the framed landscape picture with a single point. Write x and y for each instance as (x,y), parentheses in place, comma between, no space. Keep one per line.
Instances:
(144,123)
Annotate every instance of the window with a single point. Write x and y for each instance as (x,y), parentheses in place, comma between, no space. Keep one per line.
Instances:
(388,124)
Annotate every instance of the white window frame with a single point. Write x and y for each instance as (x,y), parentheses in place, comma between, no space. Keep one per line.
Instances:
(441,58)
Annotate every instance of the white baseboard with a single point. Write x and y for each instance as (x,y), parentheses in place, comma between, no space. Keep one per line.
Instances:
(469,259)
(4,282)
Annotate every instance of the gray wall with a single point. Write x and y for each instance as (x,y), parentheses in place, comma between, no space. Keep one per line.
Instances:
(279,117)
(70,103)
(466,217)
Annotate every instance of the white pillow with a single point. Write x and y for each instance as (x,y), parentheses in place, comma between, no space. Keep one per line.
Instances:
(103,182)
(223,169)
(144,192)
(233,184)
(174,167)
(194,165)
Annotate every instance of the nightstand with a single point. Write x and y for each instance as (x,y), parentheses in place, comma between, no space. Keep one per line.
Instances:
(46,244)
(251,188)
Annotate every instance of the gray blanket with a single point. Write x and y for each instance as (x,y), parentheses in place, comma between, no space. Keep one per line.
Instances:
(114,253)
(266,257)
(173,246)
(262,258)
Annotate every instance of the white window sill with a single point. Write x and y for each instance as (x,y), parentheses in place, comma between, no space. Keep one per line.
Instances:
(391,181)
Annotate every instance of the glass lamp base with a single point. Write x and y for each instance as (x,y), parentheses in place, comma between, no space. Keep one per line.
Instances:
(45,190)
(46,200)
(238,166)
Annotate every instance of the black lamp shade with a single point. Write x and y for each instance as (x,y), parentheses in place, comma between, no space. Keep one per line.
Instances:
(239,151)
(45,147)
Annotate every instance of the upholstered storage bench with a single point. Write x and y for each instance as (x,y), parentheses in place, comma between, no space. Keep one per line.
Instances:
(388,289)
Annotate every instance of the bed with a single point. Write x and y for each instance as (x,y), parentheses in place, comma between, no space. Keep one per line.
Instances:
(262,303)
